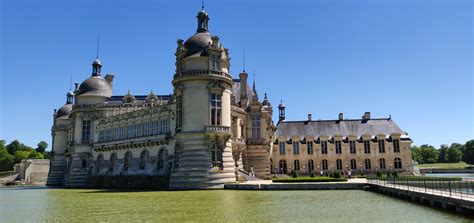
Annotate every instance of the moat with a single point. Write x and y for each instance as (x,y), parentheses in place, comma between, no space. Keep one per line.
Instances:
(42,204)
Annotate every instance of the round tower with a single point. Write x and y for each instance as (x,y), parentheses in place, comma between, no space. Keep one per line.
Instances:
(202,88)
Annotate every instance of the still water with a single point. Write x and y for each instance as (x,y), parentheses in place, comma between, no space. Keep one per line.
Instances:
(469,176)
(84,205)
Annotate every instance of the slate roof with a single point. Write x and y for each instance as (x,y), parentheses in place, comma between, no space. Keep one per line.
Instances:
(140,99)
(236,91)
(344,127)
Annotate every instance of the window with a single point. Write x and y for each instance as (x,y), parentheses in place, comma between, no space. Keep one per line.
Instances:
(296,148)
(310,147)
(256,126)
(126,160)
(216,109)
(352,146)
(98,163)
(282,148)
(338,147)
(397,163)
(310,166)
(324,147)
(179,113)
(131,131)
(113,160)
(296,165)
(164,126)
(156,127)
(146,129)
(143,159)
(139,130)
(382,164)
(366,146)
(353,164)
(367,164)
(108,135)
(161,159)
(102,136)
(325,164)
(381,146)
(339,164)
(282,165)
(215,62)
(396,145)
(86,131)
(216,153)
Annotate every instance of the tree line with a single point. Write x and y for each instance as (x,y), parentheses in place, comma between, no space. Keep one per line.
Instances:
(16,151)
(445,154)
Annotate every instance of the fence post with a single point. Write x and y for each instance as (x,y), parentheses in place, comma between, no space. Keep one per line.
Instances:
(449,185)
(424,185)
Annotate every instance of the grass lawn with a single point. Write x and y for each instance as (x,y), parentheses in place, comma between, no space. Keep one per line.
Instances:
(460,165)
(308,179)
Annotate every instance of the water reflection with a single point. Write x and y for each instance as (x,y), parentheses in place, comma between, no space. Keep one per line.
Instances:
(76,205)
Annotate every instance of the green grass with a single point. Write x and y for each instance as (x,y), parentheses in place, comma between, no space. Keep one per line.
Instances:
(308,179)
(418,178)
(460,165)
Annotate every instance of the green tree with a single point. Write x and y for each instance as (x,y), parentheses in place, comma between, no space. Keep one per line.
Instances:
(442,158)
(21,155)
(454,154)
(416,154)
(42,147)
(468,152)
(6,159)
(35,155)
(429,154)
(14,146)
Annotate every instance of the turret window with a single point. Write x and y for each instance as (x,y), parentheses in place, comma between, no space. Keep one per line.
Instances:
(86,131)
(255,126)
(216,109)
(179,113)
(215,62)
(216,153)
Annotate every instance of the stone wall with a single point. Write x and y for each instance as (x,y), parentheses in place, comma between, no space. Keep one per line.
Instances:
(33,171)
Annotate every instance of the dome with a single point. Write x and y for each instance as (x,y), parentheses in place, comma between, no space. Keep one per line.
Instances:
(64,111)
(281,105)
(197,43)
(95,86)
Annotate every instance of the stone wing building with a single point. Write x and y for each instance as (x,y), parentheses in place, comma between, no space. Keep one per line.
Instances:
(209,131)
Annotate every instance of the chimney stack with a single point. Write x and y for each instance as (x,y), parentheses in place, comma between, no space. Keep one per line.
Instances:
(341,116)
(366,116)
(243,89)
(309,117)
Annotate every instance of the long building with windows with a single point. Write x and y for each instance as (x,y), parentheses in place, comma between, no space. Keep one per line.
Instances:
(367,145)
(210,130)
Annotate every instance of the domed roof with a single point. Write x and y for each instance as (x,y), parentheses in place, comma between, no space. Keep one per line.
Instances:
(95,86)
(197,43)
(64,111)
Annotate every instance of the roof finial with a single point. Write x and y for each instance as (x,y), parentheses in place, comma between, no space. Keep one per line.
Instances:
(98,42)
(254,82)
(70,83)
(202,4)
(243,49)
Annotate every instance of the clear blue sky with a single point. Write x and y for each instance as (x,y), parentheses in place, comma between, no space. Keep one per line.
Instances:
(409,59)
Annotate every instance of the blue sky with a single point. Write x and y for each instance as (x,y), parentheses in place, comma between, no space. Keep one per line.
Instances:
(409,59)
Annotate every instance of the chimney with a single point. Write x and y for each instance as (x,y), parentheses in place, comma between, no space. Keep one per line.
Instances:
(243,89)
(309,117)
(366,116)
(109,78)
(341,116)
(76,86)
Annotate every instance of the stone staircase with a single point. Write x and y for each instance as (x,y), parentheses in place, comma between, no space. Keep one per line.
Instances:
(78,176)
(56,171)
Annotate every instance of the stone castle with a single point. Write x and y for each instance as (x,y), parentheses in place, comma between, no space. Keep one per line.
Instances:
(211,130)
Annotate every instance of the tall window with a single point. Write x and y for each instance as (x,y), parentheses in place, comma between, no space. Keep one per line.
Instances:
(161,159)
(156,127)
(86,131)
(324,164)
(338,147)
(216,154)
(324,147)
(143,159)
(282,148)
(296,164)
(397,163)
(126,160)
(255,126)
(366,146)
(113,159)
(164,126)
(381,146)
(216,109)
(396,145)
(179,113)
(353,164)
(352,146)
(310,165)
(382,164)
(367,164)
(296,148)
(215,62)
(98,163)
(282,165)
(310,147)
(339,164)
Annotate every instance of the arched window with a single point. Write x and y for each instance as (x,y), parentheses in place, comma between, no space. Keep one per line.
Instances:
(83,162)
(98,163)
(143,159)
(216,154)
(161,159)
(397,163)
(382,164)
(353,164)
(296,165)
(126,160)
(339,164)
(282,165)
(367,164)
(325,164)
(310,165)
(113,160)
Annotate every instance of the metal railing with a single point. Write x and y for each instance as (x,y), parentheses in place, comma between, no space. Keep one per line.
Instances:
(458,189)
